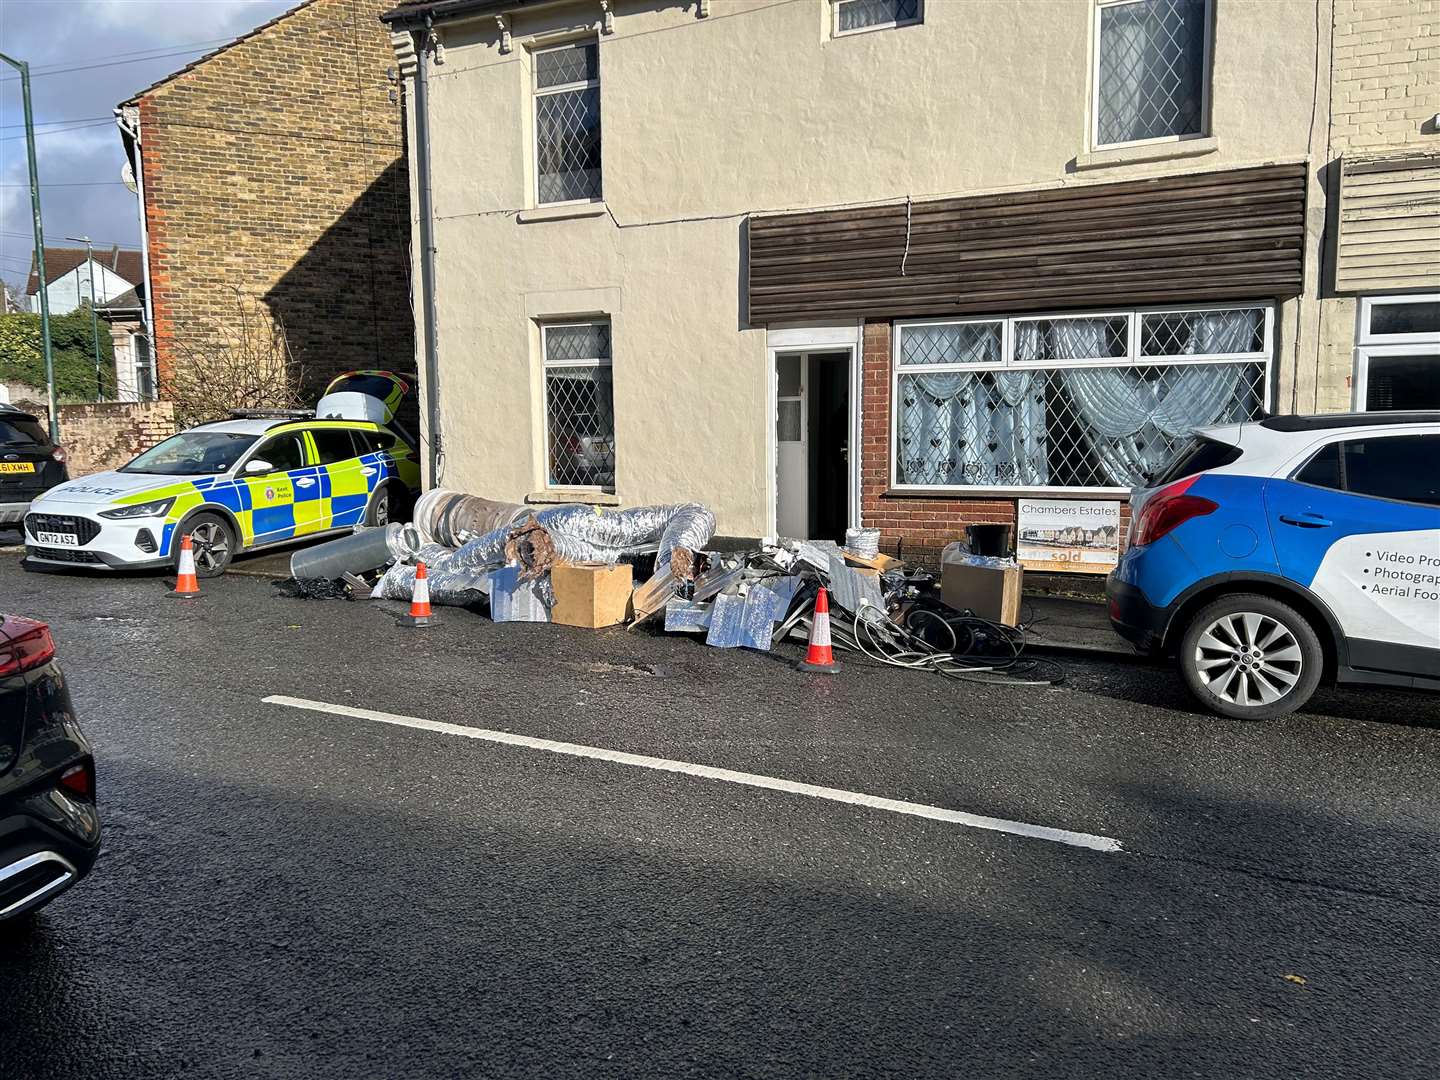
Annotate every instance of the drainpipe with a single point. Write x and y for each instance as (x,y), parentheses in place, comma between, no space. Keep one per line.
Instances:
(127,119)
(427,250)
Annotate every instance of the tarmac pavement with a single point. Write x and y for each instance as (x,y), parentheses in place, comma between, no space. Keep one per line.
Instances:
(363,886)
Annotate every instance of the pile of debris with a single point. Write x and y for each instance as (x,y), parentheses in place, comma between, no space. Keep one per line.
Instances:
(578,565)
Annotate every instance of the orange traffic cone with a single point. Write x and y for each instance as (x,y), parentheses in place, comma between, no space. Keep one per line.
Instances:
(186,585)
(419,600)
(819,656)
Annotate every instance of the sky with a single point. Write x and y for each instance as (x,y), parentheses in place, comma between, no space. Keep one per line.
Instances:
(77,145)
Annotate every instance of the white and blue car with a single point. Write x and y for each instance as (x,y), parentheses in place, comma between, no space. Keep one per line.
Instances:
(1276,553)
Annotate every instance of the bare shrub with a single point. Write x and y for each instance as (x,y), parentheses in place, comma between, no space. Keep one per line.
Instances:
(247,364)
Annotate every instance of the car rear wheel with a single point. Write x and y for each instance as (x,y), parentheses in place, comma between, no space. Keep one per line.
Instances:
(383,507)
(213,542)
(1251,657)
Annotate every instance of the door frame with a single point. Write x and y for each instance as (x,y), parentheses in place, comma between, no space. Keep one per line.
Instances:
(837,338)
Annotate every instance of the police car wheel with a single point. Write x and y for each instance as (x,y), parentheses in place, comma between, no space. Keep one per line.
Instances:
(1250,657)
(213,543)
(382,507)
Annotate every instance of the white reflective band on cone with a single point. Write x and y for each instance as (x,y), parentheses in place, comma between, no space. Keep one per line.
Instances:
(820,632)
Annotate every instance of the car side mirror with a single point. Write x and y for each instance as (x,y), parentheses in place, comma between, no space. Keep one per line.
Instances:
(258,465)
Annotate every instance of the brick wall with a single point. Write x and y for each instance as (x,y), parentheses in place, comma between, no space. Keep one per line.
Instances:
(107,434)
(276,167)
(1386,74)
(916,527)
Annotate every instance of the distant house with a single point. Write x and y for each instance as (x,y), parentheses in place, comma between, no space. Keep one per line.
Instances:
(70,276)
(272,180)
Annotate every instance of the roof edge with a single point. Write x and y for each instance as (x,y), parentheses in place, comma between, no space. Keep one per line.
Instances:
(414,14)
(207,57)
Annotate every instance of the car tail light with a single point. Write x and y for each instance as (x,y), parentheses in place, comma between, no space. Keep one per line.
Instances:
(80,781)
(24,644)
(1168,509)
(58,454)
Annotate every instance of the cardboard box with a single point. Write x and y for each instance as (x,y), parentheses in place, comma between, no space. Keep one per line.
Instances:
(880,562)
(591,594)
(990,592)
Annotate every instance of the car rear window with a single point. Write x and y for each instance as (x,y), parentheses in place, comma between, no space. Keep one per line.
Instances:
(1201,455)
(367,442)
(1384,467)
(333,444)
(17,432)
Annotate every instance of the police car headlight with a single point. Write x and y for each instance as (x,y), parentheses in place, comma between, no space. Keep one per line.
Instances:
(141,510)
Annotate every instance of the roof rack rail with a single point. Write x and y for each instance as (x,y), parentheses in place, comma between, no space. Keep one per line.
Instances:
(272,414)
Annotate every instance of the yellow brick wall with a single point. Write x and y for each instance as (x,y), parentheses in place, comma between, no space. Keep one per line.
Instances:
(276,167)
(1386,82)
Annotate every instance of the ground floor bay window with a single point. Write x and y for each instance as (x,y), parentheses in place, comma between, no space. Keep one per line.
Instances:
(1077,402)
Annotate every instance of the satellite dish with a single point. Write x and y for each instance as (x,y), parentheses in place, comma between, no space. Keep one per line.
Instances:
(127,177)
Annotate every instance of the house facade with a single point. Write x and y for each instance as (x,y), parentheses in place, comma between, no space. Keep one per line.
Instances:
(134,365)
(73,276)
(273,191)
(909,264)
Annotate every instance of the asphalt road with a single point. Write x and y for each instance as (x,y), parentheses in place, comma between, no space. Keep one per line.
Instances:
(293,893)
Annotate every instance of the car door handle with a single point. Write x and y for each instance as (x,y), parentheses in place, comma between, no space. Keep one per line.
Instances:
(369,470)
(1307,521)
(305,481)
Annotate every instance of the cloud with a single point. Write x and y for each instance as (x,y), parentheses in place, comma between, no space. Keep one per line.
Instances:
(60,34)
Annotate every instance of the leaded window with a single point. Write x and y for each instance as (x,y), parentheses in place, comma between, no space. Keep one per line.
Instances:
(1097,401)
(579,405)
(855,15)
(567,123)
(1150,70)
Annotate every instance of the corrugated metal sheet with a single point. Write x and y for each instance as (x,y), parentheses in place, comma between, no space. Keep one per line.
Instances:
(1230,235)
(1389,236)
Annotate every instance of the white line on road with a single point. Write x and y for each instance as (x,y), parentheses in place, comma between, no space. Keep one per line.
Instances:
(707,772)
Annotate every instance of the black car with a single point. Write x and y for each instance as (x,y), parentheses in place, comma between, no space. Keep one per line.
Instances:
(29,463)
(49,827)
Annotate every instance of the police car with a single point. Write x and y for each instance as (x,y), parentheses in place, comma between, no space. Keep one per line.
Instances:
(1275,553)
(236,485)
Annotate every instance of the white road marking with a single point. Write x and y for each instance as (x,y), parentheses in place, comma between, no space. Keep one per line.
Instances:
(707,772)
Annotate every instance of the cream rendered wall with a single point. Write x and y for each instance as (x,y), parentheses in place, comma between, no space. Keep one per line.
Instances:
(757,108)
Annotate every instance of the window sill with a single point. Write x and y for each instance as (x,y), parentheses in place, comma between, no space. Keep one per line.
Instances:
(562,211)
(570,496)
(1006,493)
(1135,155)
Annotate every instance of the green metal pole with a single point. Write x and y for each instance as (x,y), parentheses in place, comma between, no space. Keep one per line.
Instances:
(95,325)
(24,69)
(94,319)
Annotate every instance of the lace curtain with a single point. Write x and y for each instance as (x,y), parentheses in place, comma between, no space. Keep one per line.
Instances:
(973,427)
(1133,418)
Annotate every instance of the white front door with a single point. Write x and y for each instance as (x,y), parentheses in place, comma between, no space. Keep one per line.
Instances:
(792,456)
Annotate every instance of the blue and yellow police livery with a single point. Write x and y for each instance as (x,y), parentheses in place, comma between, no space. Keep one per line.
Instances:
(233,486)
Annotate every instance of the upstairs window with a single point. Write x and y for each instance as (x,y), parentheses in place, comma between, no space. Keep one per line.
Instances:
(567,123)
(579,406)
(1151,70)
(853,16)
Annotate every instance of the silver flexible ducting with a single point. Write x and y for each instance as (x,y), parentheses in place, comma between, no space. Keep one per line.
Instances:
(453,518)
(564,533)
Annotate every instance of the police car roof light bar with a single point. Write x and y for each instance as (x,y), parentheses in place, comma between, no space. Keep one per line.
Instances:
(272,414)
